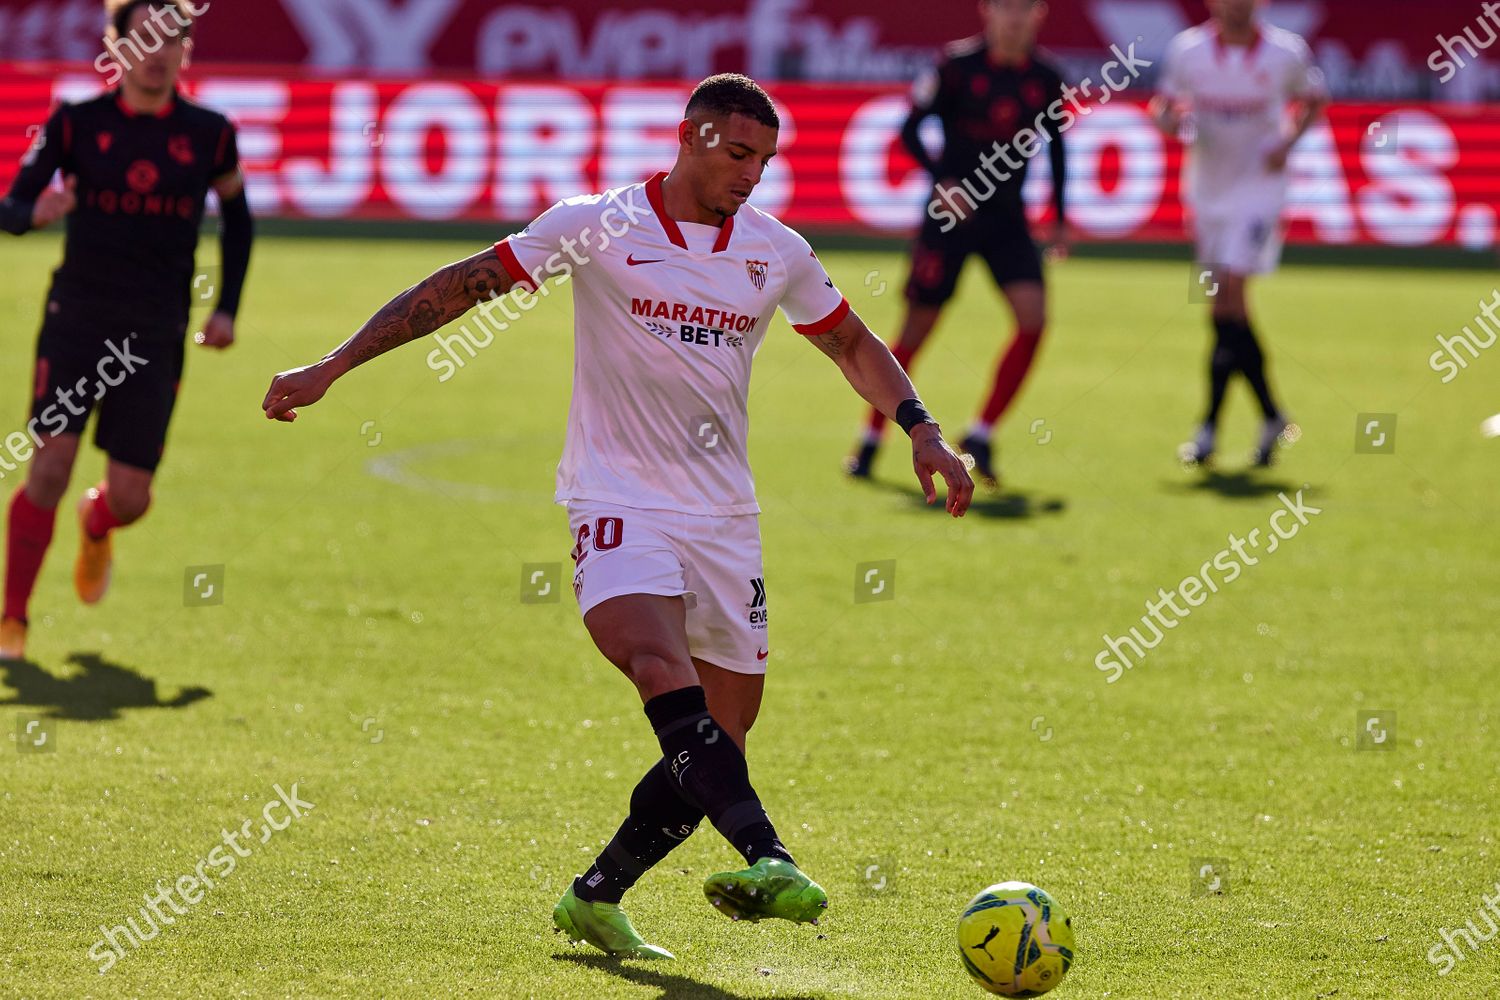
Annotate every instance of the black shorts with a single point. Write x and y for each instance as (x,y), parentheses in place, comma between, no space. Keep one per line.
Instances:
(130,378)
(937,258)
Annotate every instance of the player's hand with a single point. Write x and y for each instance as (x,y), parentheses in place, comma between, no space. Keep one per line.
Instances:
(1059,242)
(298,387)
(1170,115)
(931,455)
(957,204)
(54,203)
(217,333)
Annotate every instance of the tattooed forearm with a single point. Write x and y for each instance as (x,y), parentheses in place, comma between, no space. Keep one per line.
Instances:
(427,306)
(831,344)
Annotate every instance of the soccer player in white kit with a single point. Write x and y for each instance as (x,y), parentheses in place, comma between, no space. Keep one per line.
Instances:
(675,282)
(1227,86)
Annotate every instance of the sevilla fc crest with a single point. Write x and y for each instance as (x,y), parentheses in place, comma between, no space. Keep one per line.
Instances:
(756,269)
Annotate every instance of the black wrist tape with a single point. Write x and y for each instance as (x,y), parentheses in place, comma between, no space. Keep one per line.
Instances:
(910,413)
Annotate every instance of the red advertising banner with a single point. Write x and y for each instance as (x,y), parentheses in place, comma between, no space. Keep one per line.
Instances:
(1374,49)
(1403,174)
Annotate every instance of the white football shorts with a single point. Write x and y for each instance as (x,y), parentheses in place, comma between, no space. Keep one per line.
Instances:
(1242,239)
(712,562)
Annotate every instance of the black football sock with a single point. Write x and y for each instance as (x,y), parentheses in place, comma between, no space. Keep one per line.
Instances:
(1221,365)
(660,819)
(711,771)
(1253,364)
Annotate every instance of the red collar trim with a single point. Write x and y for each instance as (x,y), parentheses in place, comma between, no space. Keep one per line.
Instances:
(722,243)
(669,224)
(166,109)
(653,195)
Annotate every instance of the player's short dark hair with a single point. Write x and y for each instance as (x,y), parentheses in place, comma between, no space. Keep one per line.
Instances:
(120,12)
(732,94)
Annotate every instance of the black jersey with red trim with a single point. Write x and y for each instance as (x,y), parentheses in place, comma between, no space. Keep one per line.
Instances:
(983,105)
(142,182)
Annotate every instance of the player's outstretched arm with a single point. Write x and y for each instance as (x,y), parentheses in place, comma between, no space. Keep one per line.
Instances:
(427,306)
(1168,114)
(236,237)
(877,376)
(1308,110)
(31,203)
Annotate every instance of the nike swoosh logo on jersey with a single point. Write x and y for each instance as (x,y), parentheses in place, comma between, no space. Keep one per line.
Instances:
(634,263)
(761,654)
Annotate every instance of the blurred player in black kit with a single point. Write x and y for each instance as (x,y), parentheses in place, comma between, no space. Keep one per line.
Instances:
(988,91)
(137,164)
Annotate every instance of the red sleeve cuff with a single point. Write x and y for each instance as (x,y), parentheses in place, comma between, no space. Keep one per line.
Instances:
(513,267)
(825,324)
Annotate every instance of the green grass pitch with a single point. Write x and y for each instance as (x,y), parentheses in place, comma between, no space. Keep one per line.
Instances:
(466,752)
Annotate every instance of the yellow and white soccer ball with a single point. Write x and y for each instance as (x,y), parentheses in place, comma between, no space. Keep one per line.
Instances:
(1015,940)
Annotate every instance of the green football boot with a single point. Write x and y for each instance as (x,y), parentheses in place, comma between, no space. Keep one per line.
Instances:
(603,925)
(769,888)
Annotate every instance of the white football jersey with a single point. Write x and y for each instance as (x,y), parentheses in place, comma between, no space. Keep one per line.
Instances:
(667,318)
(1237,98)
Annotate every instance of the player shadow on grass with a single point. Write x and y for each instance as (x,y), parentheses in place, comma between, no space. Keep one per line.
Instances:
(650,974)
(1242,484)
(1006,504)
(96,693)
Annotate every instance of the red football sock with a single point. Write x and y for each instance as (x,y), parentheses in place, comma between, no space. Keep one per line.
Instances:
(28,534)
(877,419)
(100,520)
(1011,373)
